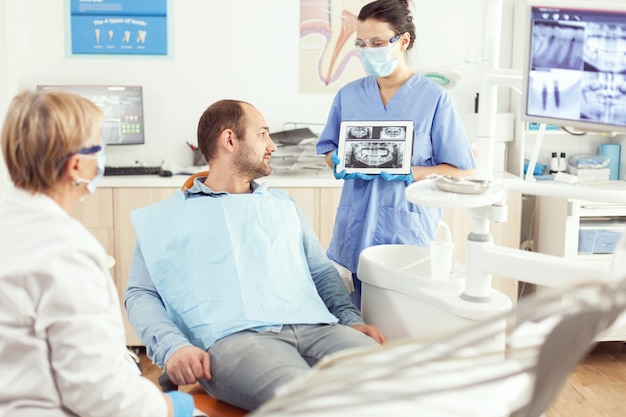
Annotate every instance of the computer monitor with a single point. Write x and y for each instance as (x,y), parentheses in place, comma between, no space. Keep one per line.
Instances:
(122,107)
(575,64)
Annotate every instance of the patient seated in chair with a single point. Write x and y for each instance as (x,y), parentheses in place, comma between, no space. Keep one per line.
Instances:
(228,284)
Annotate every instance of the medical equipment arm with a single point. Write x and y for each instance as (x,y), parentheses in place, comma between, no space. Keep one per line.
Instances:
(147,313)
(329,284)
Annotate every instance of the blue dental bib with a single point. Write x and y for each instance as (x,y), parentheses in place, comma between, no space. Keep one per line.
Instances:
(227,263)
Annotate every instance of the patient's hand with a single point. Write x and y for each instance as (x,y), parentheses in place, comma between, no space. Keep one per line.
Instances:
(187,365)
(372,331)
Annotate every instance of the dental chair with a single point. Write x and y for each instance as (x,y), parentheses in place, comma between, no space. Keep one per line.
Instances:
(203,401)
(454,375)
(189,181)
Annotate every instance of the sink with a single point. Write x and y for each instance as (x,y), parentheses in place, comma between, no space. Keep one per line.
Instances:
(400,297)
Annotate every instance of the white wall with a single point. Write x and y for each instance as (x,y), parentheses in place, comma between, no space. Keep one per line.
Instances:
(450,32)
(245,49)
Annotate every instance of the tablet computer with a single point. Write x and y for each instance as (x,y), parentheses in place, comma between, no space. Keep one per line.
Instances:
(370,147)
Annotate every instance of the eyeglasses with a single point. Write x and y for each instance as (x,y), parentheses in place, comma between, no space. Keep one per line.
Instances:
(84,151)
(375,42)
(90,150)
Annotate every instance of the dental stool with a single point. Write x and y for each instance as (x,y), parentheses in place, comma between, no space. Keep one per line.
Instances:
(203,401)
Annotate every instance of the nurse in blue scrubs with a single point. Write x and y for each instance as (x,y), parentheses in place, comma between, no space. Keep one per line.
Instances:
(373,210)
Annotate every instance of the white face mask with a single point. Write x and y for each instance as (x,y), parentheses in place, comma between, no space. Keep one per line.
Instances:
(378,61)
(93,183)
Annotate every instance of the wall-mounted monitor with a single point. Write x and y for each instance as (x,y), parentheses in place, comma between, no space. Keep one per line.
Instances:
(575,64)
(122,107)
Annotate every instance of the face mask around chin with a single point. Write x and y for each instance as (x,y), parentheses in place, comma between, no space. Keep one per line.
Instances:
(378,61)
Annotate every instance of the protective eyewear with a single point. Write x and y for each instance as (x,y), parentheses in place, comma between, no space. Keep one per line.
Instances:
(90,150)
(375,42)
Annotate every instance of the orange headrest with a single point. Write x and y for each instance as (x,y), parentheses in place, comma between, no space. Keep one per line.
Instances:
(189,181)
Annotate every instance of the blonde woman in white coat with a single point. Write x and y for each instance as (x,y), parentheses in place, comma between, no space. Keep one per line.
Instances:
(62,349)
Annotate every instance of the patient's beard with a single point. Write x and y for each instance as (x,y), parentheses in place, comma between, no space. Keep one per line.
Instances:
(247,165)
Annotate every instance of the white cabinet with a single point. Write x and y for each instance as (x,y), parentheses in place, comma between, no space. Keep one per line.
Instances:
(126,200)
(96,214)
(581,232)
(561,222)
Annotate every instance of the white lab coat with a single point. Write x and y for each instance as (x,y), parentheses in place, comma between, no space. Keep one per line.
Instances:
(62,348)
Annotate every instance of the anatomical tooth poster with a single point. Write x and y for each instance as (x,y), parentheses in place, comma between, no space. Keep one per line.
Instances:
(126,27)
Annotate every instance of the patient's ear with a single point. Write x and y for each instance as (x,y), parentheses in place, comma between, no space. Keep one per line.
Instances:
(227,139)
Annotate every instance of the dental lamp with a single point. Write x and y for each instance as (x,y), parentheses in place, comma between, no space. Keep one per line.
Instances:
(447,77)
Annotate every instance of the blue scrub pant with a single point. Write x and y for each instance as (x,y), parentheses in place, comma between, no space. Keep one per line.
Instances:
(247,367)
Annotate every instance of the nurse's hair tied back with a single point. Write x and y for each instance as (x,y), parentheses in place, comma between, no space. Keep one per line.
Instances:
(396,13)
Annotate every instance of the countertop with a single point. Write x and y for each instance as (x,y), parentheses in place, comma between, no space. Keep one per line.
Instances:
(282,179)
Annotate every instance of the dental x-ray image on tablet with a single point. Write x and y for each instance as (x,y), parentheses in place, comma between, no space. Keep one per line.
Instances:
(370,147)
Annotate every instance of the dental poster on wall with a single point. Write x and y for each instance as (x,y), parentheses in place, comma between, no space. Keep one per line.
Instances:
(328,59)
(122,27)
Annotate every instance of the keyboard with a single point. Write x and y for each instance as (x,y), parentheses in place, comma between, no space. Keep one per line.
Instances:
(132,170)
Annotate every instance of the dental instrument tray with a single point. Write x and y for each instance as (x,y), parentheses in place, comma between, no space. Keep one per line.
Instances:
(461,185)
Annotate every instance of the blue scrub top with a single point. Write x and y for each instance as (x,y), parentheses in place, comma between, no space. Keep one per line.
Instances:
(376,212)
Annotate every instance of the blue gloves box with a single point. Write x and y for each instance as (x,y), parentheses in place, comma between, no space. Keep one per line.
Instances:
(596,241)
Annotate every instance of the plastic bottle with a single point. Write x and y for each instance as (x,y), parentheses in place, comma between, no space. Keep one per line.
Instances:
(562,163)
(554,164)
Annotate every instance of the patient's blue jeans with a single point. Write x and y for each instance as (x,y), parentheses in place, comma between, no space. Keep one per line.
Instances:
(247,367)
